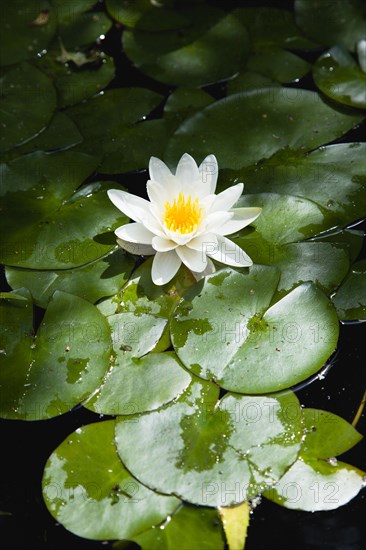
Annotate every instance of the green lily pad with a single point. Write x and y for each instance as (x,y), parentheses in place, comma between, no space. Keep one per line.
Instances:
(336,22)
(67,10)
(89,491)
(338,76)
(332,176)
(73,83)
(248,345)
(134,147)
(60,134)
(139,385)
(20,86)
(60,173)
(284,218)
(325,264)
(145,15)
(122,108)
(350,240)
(83,29)
(92,282)
(48,374)
(277,64)
(317,481)
(245,128)
(58,229)
(248,80)
(212,452)
(184,102)
(26,28)
(188,527)
(350,298)
(212,48)
(270,27)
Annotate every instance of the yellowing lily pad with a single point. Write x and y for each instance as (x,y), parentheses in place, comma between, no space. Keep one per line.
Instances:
(247,344)
(350,297)
(212,452)
(106,501)
(317,480)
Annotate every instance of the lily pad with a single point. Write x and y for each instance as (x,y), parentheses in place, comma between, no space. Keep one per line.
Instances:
(139,385)
(134,147)
(349,239)
(212,48)
(186,528)
(270,27)
(350,298)
(60,134)
(60,173)
(248,345)
(103,119)
(73,83)
(92,282)
(212,452)
(20,86)
(141,298)
(146,15)
(88,490)
(245,128)
(26,28)
(48,374)
(277,64)
(67,10)
(332,176)
(248,80)
(332,22)
(53,232)
(184,102)
(338,76)
(284,218)
(317,481)
(325,264)
(83,29)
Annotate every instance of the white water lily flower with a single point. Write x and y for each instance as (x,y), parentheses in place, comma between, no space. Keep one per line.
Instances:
(184,221)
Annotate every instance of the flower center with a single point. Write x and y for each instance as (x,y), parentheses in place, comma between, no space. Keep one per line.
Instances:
(183,216)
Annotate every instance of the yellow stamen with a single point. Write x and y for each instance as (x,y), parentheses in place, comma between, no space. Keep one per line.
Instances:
(183,216)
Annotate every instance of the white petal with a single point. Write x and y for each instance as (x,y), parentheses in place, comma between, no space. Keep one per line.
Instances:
(204,242)
(187,170)
(209,171)
(160,193)
(165,266)
(210,268)
(195,260)
(136,248)
(214,221)
(134,233)
(158,170)
(226,200)
(241,218)
(163,245)
(229,253)
(134,207)
(179,238)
